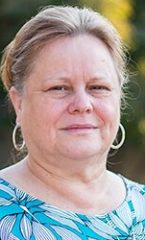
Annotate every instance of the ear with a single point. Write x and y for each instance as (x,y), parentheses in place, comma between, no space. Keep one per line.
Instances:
(16,99)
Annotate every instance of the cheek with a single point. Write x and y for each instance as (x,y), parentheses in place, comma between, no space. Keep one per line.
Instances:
(108,111)
(33,115)
(48,114)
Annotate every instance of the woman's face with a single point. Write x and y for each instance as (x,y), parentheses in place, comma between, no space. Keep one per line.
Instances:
(70,106)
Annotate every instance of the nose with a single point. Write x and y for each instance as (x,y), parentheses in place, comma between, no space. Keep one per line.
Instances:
(80,103)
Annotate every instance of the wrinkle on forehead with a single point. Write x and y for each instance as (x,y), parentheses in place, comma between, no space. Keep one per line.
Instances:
(74,52)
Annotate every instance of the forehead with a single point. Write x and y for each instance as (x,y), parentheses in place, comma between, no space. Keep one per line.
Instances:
(81,44)
(73,56)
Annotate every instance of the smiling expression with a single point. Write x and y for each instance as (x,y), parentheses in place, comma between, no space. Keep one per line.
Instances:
(70,105)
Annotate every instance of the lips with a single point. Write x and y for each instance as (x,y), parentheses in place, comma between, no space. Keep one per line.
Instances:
(78,126)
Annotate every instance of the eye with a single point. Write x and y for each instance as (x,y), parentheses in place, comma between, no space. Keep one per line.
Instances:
(59,88)
(98,88)
(58,91)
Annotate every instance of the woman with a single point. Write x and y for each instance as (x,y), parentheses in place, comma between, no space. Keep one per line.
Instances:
(65,72)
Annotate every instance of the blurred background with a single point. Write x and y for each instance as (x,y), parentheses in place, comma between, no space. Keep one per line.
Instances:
(129,18)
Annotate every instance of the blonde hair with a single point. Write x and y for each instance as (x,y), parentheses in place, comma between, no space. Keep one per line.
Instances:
(56,22)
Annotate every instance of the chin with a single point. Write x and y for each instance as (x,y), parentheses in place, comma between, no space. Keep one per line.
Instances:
(82,152)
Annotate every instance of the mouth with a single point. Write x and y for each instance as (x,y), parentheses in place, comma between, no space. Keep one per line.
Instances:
(79,127)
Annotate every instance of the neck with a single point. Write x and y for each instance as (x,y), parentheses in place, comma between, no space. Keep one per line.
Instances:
(67,170)
(90,190)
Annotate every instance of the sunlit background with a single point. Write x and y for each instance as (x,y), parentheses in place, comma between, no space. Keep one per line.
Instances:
(129,18)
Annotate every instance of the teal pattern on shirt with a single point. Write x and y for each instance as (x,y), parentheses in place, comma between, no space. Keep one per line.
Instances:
(23,217)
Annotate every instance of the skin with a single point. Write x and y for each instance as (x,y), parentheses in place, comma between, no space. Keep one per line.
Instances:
(69,114)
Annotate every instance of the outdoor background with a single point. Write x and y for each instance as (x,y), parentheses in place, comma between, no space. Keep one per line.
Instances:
(129,18)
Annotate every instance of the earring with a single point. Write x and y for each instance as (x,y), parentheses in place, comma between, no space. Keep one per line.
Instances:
(16,146)
(122,138)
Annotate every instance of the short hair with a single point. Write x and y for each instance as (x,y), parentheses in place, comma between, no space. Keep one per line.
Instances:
(51,23)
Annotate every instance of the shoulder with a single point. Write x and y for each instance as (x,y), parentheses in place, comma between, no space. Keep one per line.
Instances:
(7,192)
(7,199)
(136,199)
(134,187)
(13,174)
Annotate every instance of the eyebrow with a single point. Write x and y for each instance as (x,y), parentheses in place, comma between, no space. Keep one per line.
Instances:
(60,77)
(65,78)
(57,78)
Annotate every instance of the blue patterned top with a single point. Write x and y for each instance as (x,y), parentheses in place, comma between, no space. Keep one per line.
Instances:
(23,217)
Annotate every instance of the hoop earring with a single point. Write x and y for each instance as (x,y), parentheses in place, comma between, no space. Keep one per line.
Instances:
(16,146)
(122,138)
